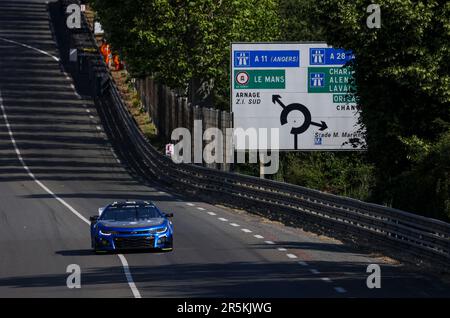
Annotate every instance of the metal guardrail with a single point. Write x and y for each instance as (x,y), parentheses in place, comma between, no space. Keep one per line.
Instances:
(424,237)
(420,236)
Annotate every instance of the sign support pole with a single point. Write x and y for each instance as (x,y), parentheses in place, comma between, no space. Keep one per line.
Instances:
(262,159)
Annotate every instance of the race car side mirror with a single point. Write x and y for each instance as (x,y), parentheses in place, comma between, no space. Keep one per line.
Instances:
(169,215)
(94,218)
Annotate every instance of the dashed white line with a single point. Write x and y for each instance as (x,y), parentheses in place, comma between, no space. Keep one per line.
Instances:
(201,209)
(88,110)
(258,236)
(269,242)
(340,290)
(212,213)
(282,249)
(302,263)
(314,271)
(326,279)
(126,269)
(223,219)
(292,256)
(234,224)
(91,117)
(99,128)
(190,204)
(246,230)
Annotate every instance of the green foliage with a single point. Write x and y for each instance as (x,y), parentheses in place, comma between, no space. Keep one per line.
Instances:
(426,186)
(338,173)
(298,21)
(403,80)
(178,41)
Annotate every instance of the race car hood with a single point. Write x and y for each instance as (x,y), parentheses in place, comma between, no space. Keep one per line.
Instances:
(132,225)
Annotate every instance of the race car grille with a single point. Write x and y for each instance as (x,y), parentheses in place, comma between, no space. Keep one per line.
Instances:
(134,232)
(133,242)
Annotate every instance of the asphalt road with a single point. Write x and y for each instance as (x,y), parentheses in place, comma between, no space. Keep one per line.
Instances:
(217,252)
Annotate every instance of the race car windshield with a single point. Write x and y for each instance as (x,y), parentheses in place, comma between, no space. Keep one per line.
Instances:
(130,213)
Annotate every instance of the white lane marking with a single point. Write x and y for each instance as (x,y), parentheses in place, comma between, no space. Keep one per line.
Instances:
(88,110)
(201,209)
(234,224)
(99,128)
(269,242)
(190,204)
(282,249)
(258,236)
(91,117)
(314,271)
(126,269)
(128,275)
(303,263)
(31,48)
(223,219)
(292,256)
(326,279)
(212,213)
(246,230)
(340,290)
(27,169)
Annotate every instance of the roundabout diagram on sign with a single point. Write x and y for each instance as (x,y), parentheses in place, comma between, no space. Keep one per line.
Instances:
(301,127)
(305,90)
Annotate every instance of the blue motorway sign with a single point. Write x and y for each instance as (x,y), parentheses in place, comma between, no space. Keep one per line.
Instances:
(248,59)
(329,56)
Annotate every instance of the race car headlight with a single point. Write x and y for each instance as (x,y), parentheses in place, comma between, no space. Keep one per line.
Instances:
(106,233)
(161,230)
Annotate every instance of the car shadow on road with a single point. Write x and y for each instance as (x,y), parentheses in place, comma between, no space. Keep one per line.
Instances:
(90,252)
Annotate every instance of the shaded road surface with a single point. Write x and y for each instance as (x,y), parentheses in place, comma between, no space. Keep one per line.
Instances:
(218,252)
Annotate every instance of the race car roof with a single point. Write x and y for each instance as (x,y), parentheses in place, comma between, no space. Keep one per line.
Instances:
(132,203)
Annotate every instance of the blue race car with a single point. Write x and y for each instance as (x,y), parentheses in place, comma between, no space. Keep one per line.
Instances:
(131,225)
